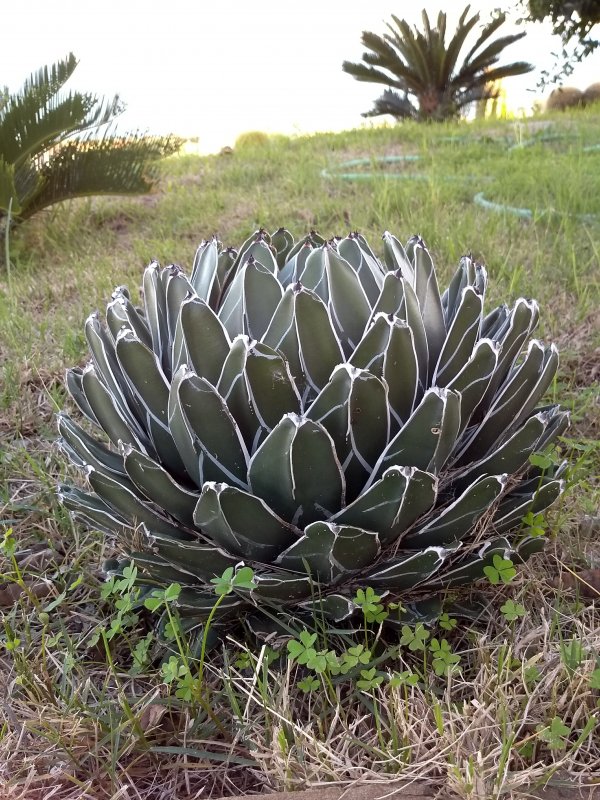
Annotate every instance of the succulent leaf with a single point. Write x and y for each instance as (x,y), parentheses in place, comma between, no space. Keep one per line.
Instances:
(217,440)
(329,552)
(206,340)
(296,470)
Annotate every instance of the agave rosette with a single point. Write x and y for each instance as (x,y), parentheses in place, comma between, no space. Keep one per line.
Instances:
(327,419)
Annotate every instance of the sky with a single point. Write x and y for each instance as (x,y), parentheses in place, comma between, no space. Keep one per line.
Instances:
(215,69)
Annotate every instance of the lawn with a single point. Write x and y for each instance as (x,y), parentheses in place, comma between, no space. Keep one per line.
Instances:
(93,706)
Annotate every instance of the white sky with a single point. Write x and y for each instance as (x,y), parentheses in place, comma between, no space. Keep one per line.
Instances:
(216,69)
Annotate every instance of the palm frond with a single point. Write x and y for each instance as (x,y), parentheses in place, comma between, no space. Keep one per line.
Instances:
(369,74)
(111,165)
(505,71)
(414,51)
(27,128)
(36,116)
(490,55)
(455,45)
(50,149)
(392,103)
(487,31)
(47,81)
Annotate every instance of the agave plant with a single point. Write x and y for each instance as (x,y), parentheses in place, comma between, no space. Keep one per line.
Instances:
(422,71)
(329,420)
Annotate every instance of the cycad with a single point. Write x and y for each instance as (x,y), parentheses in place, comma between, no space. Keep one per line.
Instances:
(420,66)
(50,149)
(329,420)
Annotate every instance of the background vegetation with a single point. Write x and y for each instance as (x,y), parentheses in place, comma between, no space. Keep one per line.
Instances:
(56,145)
(508,702)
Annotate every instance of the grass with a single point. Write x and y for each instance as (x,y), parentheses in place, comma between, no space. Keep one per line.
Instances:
(88,711)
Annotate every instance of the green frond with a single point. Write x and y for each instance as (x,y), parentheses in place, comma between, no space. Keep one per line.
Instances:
(489,56)
(111,165)
(50,149)
(455,46)
(487,31)
(392,103)
(507,71)
(369,74)
(47,81)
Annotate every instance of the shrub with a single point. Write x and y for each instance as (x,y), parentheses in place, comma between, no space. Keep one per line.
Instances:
(251,139)
(591,94)
(564,97)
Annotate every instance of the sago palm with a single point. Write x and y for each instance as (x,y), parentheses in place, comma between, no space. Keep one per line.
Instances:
(51,148)
(424,74)
(328,420)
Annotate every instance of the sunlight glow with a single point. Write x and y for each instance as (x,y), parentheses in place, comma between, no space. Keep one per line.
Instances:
(214,70)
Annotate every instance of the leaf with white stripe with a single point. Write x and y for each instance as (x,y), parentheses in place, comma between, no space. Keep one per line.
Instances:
(401,371)
(396,257)
(471,568)
(177,288)
(282,242)
(293,268)
(510,457)
(353,408)
(296,471)
(86,449)
(428,294)
(104,357)
(154,307)
(223,454)
(455,521)
(242,523)
(495,323)
(474,378)
(202,559)
(519,325)
(426,440)
(159,486)
(348,303)
(121,313)
(515,506)
(281,333)
(366,266)
(331,551)
(314,273)
(391,296)
(74,379)
(205,337)
(281,588)
(461,339)
(392,504)
(93,511)
(408,571)
(204,269)
(261,295)
(109,414)
(143,372)
(516,400)
(128,503)
(258,388)
(319,348)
